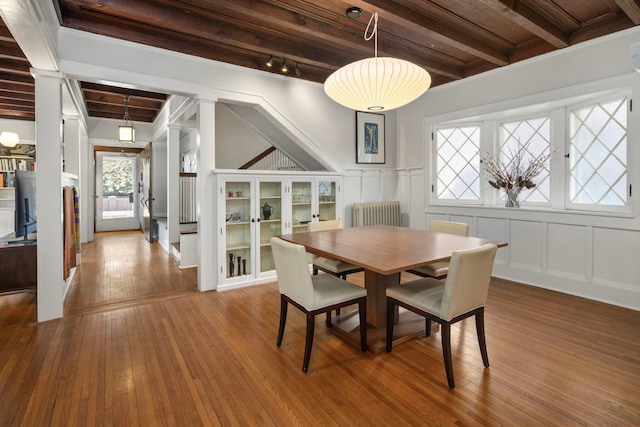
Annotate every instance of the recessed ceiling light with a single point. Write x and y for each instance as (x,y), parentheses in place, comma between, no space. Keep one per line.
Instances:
(354,12)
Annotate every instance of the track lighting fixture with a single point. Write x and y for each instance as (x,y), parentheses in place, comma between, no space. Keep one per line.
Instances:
(284,67)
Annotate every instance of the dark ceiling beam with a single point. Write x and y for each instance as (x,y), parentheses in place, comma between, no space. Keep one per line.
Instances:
(4,101)
(521,14)
(631,9)
(433,31)
(246,25)
(601,28)
(307,27)
(10,49)
(117,99)
(15,66)
(213,50)
(17,95)
(119,109)
(17,115)
(15,78)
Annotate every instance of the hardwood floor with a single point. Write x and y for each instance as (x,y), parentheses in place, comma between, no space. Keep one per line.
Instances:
(120,269)
(211,359)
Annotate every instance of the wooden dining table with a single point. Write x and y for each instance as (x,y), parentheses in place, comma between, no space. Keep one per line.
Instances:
(384,252)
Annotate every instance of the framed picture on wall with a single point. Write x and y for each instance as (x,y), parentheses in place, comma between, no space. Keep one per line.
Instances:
(370,138)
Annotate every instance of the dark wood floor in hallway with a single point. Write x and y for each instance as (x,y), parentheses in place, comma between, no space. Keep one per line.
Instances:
(211,359)
(121,268)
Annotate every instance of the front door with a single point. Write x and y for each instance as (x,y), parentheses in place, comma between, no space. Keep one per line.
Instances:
(116,207)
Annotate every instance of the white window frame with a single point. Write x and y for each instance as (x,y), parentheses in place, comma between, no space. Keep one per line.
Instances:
(590,207)
(557,106)
(434,175)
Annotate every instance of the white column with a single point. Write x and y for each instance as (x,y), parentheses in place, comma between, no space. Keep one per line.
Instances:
(207,238)
(48,86)
(173,183)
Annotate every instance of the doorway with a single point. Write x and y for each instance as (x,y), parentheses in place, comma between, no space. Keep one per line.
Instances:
(116,195)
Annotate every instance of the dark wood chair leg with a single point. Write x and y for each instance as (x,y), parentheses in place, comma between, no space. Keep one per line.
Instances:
(390,322)
(283,318)
(481,338)
(427,326)
(445,331)
(328,321)
(311,324)
(362,311)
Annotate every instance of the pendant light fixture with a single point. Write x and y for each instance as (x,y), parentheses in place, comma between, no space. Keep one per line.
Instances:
(377,84)
(9,139)
(126,132)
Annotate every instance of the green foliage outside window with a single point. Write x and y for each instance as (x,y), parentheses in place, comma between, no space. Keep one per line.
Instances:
(117,177)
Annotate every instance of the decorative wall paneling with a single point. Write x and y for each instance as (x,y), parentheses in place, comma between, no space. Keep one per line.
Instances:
(371,185)
(565,254)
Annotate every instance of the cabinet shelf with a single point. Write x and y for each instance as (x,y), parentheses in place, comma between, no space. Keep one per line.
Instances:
(238,246)
(237,222)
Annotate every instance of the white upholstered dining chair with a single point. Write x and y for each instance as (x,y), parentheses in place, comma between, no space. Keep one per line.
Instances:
(440,269)
(312,294)
(463,294)
(331,266)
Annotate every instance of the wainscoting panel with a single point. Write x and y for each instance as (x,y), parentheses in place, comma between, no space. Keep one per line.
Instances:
(616,257)
(525,244)
(496,230)
(567,250)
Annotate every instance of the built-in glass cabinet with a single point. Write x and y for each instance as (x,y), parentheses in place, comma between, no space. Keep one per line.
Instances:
(252,208)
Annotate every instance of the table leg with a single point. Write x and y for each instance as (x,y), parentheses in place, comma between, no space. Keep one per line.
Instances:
(376,285)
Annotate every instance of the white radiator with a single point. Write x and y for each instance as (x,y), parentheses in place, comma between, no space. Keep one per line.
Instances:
(188,198)
(375,213)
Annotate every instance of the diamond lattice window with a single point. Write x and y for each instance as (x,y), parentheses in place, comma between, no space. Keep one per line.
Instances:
(535,136)
(458,163)
(598,154)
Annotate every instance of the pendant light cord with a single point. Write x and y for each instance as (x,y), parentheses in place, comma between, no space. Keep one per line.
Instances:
(374,32)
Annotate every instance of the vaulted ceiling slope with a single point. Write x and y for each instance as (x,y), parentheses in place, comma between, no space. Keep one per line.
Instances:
(452,39)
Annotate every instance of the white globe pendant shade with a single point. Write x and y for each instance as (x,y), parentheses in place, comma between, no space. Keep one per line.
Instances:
(376,84)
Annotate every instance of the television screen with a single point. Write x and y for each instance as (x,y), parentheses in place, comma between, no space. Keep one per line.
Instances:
(26,212)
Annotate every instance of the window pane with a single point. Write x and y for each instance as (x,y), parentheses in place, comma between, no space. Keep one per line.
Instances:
(458,163)
(598,162)
(534,136)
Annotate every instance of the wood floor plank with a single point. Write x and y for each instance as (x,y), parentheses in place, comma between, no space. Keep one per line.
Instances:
(191,358)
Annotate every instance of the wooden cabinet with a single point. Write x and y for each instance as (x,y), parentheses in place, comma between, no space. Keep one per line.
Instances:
(254,207)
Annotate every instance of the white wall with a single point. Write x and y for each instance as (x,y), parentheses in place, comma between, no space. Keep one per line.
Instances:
(578,253)
(236,141)
(159,178)
(25,129)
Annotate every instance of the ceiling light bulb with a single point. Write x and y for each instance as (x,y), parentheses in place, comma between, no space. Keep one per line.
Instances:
(270,61)
(284,65)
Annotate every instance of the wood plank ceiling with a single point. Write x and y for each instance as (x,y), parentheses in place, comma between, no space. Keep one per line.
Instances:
(452,39)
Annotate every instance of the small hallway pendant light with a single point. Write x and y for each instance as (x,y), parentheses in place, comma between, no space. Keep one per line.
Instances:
(126,132)
(377,84)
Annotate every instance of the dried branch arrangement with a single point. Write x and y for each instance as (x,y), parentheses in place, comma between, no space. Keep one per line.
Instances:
(518,173)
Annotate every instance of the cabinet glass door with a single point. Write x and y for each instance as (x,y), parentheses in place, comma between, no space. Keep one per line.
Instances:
(301,206)
(269,220)
(326,200)
(238,228)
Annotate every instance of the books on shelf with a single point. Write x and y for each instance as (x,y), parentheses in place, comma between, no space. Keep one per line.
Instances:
(10,164)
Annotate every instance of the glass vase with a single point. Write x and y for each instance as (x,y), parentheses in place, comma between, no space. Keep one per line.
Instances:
(511,198)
